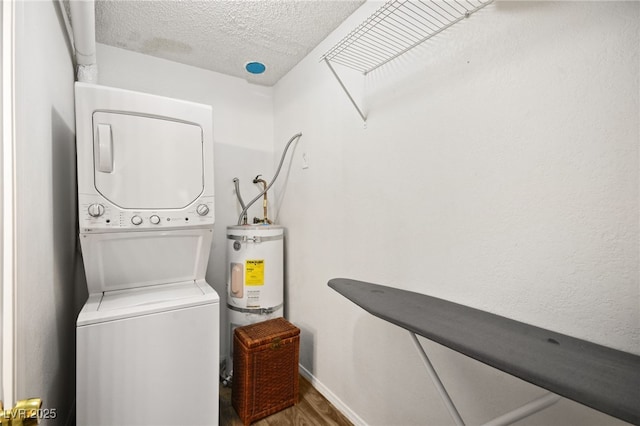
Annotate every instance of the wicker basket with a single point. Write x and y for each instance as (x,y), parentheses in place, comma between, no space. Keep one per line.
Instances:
(265,368)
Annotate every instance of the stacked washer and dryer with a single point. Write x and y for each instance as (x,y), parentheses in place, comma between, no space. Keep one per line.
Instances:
(148,336)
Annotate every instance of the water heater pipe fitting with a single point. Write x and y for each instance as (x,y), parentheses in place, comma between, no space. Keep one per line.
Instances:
(284,153)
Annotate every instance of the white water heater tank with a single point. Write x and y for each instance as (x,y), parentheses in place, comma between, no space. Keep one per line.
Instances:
(255,275)
(255,278)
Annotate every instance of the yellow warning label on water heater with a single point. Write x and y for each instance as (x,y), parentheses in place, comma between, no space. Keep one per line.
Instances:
(254,272)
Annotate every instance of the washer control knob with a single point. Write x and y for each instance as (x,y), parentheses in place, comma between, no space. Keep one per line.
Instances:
(155,219)
(96,210)
(136,220)
(202,209)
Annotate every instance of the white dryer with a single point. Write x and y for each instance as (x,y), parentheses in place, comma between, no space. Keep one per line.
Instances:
(148,336)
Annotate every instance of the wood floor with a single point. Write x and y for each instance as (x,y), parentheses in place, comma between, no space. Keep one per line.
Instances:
(313,409)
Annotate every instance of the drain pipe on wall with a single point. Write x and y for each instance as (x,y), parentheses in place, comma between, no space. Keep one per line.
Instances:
(83,22)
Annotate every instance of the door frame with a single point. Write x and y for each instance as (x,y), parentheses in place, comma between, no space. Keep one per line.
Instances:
(7,206)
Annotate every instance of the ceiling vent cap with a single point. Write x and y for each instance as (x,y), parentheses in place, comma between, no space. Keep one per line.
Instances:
(255,67)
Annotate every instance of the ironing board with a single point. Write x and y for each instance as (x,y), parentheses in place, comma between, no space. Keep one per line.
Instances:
(602,378)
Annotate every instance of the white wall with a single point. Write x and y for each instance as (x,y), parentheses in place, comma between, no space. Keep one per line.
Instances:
(498,169)
(45,208)
(242,131)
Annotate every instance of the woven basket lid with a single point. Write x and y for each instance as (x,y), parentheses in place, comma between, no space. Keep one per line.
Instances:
(265,332)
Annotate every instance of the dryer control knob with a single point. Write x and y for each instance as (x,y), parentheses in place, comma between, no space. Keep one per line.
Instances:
(155,219)
(202,209)
(96,210)
(136,220)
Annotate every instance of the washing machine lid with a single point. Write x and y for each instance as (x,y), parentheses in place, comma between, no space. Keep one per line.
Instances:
(124,304)
(126,260)
(146,162)
(123,299)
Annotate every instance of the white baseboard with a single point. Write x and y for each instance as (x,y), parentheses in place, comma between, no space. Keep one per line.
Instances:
(332,398)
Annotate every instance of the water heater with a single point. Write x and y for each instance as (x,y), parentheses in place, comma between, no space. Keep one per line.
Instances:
(255,277)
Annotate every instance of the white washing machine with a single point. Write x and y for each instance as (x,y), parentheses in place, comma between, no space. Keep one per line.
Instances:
(148,336)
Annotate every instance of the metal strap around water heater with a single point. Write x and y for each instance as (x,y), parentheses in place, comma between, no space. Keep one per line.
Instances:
(254,239)
(260,311)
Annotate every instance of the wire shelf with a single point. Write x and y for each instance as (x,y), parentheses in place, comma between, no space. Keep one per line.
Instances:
(396,28)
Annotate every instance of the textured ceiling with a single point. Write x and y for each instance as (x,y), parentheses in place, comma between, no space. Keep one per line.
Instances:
(220,35)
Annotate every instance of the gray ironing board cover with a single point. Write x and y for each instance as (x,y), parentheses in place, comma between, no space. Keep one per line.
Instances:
(602,378)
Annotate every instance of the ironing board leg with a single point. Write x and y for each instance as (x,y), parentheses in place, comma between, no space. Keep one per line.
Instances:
(513,416)
(526,410)
(453,411)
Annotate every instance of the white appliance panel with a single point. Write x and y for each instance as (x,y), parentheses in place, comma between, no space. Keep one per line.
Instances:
(147,162)
(157,369)
(116,219)
(116,261)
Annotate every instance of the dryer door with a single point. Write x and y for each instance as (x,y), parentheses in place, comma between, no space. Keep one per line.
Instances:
(147,162)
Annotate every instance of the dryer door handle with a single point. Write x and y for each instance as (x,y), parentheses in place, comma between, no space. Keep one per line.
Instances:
(104,162)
